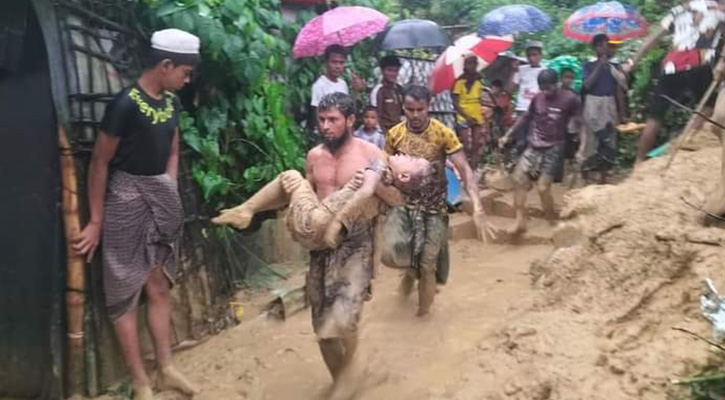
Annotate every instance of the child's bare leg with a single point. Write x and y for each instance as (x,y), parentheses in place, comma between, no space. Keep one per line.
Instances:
(271,197)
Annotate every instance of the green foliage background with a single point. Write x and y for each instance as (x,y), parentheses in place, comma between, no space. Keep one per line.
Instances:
(253,97)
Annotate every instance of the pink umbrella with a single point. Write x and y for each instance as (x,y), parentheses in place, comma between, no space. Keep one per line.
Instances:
(449,65)
(342,25)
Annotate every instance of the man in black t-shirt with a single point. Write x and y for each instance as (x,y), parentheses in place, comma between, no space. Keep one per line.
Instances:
(135,204)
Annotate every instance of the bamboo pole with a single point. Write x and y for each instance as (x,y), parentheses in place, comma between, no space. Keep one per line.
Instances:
(75,281)
(689,131)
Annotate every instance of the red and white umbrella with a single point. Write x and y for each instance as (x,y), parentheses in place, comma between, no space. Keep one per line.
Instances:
(449,65)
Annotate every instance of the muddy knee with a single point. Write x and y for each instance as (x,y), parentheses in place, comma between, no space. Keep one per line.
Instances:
(543,186)
(291,180)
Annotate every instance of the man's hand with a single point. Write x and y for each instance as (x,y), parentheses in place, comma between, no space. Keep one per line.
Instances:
(333,234)
(87,241)
(504,140)
(357,180)
(627,67)
(484,230)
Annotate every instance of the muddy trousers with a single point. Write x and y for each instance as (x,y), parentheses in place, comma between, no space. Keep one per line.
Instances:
(417,241)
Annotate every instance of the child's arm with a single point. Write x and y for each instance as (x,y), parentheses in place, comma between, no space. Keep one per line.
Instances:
(371,179)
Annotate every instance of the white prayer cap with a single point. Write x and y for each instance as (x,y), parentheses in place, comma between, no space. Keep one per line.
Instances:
(175,41)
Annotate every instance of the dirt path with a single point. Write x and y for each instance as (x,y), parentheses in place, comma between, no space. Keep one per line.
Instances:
(400,356)
(590,321)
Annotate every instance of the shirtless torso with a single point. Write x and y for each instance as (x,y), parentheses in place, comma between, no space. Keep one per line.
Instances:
(329,171)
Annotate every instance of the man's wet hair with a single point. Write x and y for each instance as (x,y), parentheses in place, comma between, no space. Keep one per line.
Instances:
(337,101)
(418,93)
(153,57)
(599,39)
(390,61)
(335,49)
(370,108)
(548,77)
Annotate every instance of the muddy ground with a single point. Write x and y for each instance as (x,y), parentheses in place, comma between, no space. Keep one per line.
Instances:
(591,319)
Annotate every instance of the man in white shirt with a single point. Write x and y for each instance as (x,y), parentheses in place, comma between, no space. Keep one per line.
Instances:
(526,79)
(331,81)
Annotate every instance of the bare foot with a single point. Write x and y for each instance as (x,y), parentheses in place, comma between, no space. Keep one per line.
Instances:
(238,217)
(345,387)
(518,228)
(406,286)
(143,393)
(171,378)
(552,218)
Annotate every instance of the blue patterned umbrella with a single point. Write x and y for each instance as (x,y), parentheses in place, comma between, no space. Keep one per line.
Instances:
(616,20)
(513,19)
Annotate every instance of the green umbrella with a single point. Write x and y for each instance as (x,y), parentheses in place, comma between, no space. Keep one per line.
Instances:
(561,63)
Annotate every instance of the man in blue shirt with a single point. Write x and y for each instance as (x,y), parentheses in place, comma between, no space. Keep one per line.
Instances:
(604,87)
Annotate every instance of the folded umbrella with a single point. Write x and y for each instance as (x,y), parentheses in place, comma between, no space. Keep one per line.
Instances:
(342,25)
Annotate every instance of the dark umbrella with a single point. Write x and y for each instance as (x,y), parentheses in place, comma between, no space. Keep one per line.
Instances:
(413,34)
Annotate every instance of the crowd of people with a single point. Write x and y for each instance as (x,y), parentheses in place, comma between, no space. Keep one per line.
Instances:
(390,163)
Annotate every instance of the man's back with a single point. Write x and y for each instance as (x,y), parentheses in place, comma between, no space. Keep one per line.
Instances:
(329,171)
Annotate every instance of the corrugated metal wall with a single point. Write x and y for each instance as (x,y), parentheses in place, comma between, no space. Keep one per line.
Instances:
(30,238)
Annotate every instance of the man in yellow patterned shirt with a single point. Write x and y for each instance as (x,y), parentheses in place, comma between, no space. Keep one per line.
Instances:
(416,235)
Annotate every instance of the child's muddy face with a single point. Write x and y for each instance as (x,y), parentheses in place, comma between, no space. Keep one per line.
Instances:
(405,167)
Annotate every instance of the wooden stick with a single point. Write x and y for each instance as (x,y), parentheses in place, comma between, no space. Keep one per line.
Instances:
(708,341)
(688,131)
(75,292)
(690,110)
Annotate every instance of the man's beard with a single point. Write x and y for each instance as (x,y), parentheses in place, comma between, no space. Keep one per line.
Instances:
(333,144)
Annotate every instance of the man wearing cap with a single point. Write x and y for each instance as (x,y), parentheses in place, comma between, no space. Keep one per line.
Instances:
(697,28)
(135,204)
(528,87)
